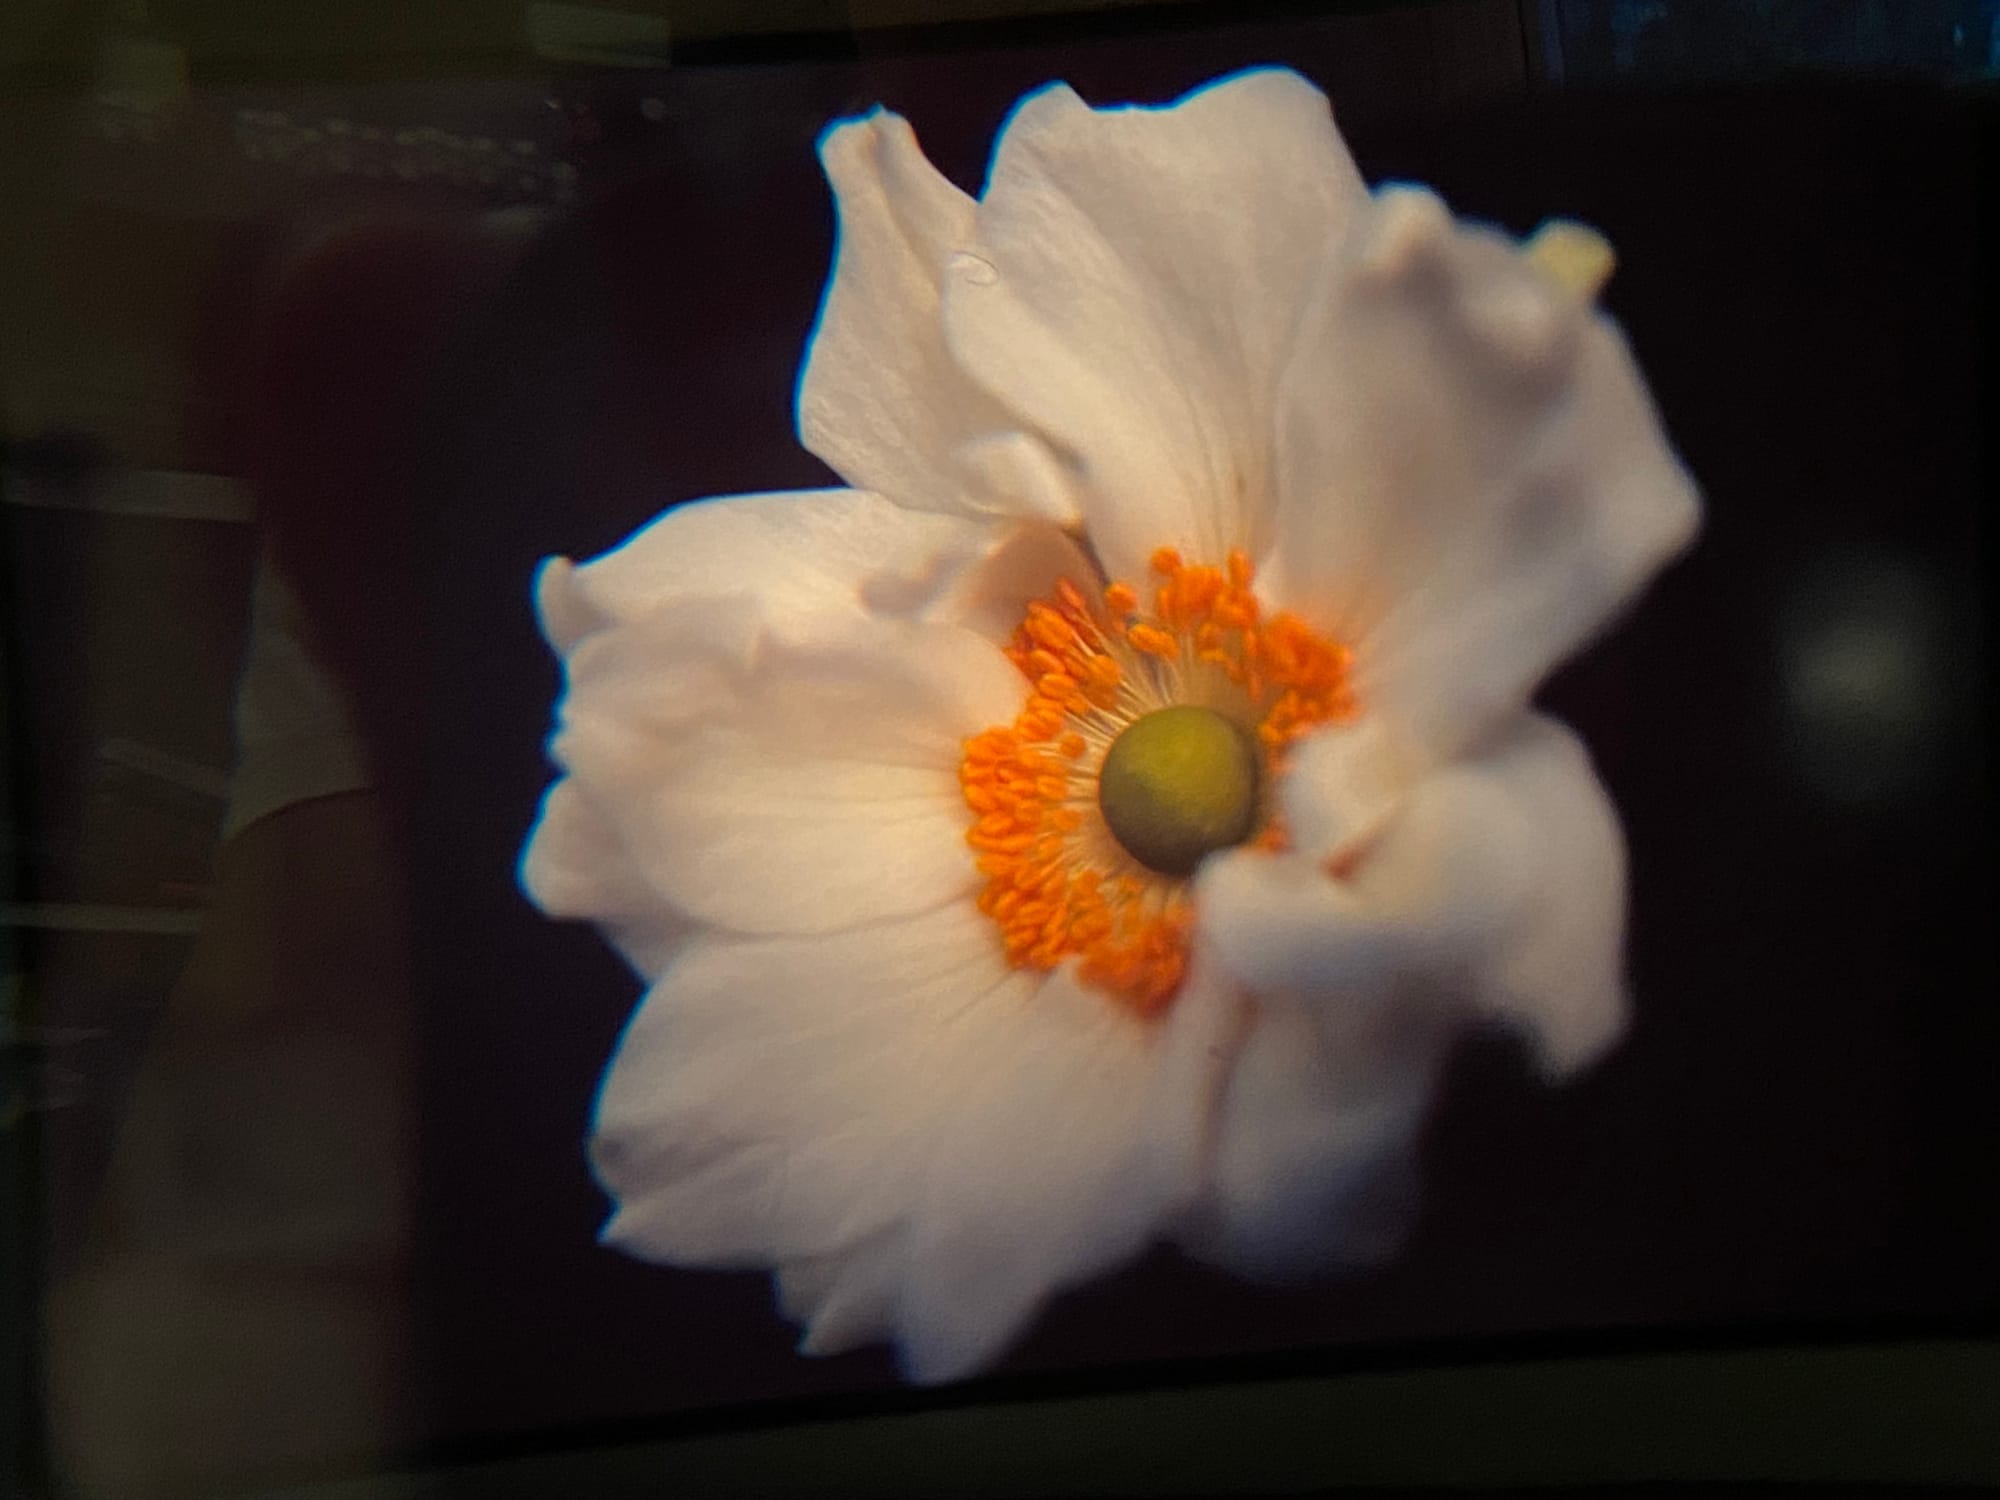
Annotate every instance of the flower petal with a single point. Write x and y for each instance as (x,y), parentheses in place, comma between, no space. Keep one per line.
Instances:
(810,561)
(1312,1164)
(772,690)
(846,1299)
(575,865)
(880,399)
(1135,280)
(1472,477)
(992,595)
(1560,973)
(1075,1143)
(1343,783)
(1497,889)
(565,615)
(1499,884)
(772,1098)
(770,787)
(929,1142)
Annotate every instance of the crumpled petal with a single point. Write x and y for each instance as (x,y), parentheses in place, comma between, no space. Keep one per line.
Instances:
(769,787)
(1342,783)
(880,399)
(780,672)
(1313,1160)
(576,866)
(1135,279)
(810,561)
(929,1142)
(845,1298)
(1559,974)
(1472,477)
(1498,889)
(1499,882)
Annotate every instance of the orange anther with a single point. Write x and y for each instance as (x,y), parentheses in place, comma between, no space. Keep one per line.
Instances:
(1050,886)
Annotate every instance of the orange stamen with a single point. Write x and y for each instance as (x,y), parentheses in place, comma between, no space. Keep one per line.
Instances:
(1057,886)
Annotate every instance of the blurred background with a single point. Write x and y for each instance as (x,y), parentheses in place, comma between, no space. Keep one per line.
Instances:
(321,321)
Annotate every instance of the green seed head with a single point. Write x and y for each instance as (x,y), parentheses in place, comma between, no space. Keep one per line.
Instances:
(1178,784)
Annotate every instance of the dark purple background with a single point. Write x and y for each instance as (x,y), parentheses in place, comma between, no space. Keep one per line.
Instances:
(1796,1130)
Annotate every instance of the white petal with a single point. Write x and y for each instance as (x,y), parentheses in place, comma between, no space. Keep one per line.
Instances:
(1497,884)
(928,1142)
(846,1299)
(772,1098)
(575,865)
(809,560)
(1018,474)
(1561,971)
(772,787)
(880,399)
(1072,1146)
(1431,894)
(768,697)
(1312,1164)
(1136,279)
(1472,478)
(991,596)
(566,616)
(1497,888)
(1343,783)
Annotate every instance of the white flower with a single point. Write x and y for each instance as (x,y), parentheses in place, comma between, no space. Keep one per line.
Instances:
(1176,426)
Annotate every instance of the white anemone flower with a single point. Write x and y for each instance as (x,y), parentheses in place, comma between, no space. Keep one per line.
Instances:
(1094,826)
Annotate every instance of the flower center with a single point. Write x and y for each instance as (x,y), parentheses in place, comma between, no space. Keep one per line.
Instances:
(1148,740)
(1177,784)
